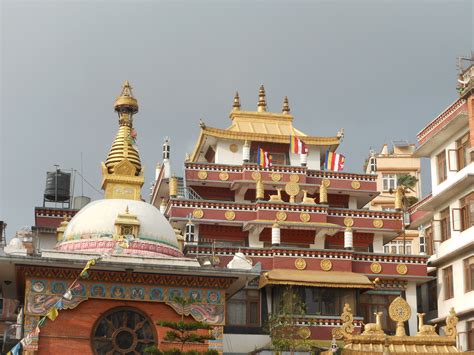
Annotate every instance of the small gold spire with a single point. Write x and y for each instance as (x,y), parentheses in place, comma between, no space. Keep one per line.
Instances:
(126,102)
(286,106)
(236,104)
(262,103)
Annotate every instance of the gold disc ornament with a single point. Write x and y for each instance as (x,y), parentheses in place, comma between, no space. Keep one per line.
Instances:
(305,217)
(300,264)
(198,213)
(276,177)
(256,175)
(233,148)
(355,185)
(292,189)
(229,215)
(378,223)
(402,269)
(326,182)
(223,176)
(326,264)
(281,216)
(348,222)
(202,175)
(376,268)
(294,178)
(399,310)
(304,332)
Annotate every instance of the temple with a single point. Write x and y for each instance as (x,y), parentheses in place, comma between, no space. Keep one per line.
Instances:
(307,227)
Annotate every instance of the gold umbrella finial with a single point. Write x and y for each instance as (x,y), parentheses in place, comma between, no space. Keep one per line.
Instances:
(286,106)
(126,102)
(262,102)
(236,104)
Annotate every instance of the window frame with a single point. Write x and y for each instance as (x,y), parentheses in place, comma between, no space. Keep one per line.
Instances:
(448,282)
(388,178)
(468,265)
(445,224)
(441,167)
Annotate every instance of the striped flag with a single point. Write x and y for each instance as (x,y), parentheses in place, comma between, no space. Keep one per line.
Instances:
(264,160)
(334,161)
(297,146)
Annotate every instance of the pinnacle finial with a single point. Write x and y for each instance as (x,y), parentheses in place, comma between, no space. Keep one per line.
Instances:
(286,106)
(236,104)
(262,102)
(126,102)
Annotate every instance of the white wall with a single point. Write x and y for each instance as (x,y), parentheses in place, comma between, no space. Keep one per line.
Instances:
(244,343)
(225,156)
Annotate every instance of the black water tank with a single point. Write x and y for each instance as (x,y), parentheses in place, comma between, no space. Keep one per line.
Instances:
(57,186)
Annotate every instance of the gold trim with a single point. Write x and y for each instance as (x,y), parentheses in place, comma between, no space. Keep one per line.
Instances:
(355,185)
(276,177)
(202,175)
(300,264)
(229,215)
(326,264)
(378,223)
(281,216)
(294,178)
(198,213)
(326,182)
(348,222)
(305,217)
(402,269)
(223,176)
(376,268)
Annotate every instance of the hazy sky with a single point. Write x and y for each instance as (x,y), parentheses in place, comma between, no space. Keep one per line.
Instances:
(380,69)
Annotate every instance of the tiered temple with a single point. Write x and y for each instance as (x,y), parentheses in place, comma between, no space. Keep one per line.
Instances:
(306,227)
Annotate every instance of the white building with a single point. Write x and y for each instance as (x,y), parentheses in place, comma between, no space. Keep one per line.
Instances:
(448,213)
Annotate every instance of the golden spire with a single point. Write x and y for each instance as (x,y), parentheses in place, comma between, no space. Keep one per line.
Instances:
(286,106)
(122,171)
(262,103)
(124,144)
(236,104)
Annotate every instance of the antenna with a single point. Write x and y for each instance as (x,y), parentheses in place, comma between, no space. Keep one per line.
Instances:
(82,176)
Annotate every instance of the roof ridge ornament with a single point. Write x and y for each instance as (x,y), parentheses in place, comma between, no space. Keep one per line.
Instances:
(286,106)
(262,102)
(236,104)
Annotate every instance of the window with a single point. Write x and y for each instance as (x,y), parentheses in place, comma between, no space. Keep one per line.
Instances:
(462,145)
(470,335)
(442,167)
(429,240)
(467,212)
(448,283)
(372,165)
(396,247)
(422,242)
(432,296)
(445,224)
(389,181)
(371,303)
(469,274)
(277,158)
(123,331)
(243,309)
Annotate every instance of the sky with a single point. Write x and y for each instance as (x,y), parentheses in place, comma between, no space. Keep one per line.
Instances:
(379,69)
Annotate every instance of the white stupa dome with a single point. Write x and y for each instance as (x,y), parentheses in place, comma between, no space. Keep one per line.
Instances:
(93,229)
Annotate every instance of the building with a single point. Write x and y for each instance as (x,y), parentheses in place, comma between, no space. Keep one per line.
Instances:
(389,165)
(306,227)
(447,214)
(114,273)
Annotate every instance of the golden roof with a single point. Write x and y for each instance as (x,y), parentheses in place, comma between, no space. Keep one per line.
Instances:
(261,126)
(339,279)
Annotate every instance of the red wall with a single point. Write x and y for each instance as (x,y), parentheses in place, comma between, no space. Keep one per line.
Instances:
(70,333)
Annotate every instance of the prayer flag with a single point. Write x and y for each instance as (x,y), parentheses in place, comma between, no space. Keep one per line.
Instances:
(297,146)
(52,313)
(264,160)
(334,161)
(15,350)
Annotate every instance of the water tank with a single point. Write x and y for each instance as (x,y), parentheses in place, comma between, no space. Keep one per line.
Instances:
(57,186)
(80,201)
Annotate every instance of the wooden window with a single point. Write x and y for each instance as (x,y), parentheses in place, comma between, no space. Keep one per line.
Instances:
(432,296)
(469,274)
(442,167)
(462,145)
(448,282)
(457,219)
(243,309)
(467,212)
(470,335)
(429,240)
(445,224)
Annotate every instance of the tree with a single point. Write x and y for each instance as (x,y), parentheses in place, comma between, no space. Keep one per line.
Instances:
(285,332)
(407,183)
(185,332)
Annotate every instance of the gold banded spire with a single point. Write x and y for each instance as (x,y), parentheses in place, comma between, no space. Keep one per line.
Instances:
(236,104)
(124,144)
(262,102)
(286,106)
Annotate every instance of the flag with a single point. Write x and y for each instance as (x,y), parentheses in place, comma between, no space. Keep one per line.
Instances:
(334,161)
(52,313)
(32,335)
(297,146)
(84,273)
(264,160)
(15,350)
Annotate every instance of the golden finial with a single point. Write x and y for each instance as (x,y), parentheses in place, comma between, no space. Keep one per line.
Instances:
(236,104)
(259,190)
(286,106)
(262,103)
(451,322)
(126,102)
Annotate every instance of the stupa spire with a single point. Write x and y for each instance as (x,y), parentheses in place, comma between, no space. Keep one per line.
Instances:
(262,102)
(286,106)
(236,104)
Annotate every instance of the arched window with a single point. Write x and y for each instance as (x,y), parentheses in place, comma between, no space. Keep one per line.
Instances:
(123,331)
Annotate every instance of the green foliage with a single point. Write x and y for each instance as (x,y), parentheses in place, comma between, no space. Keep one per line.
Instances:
(152,350)
(283,325)
(407,181)
(173,352)
(185,332)
(192,352)
(211,352)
